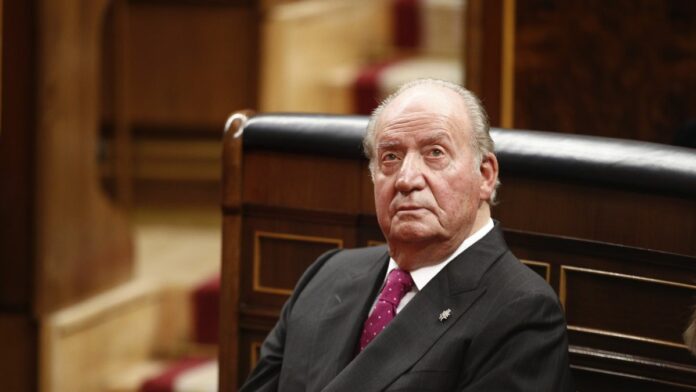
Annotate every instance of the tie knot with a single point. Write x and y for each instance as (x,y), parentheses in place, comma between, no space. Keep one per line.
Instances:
(399,282)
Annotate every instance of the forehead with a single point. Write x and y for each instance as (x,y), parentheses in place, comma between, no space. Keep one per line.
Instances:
(424,111)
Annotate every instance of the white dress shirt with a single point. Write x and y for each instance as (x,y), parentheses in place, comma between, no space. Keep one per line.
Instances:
(423,275)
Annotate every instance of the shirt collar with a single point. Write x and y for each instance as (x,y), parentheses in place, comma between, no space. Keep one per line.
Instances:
(423,275)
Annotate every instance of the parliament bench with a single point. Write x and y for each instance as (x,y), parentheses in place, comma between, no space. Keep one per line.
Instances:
(610,224)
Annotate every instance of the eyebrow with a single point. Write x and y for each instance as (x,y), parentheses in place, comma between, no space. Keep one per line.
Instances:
(388,144)
(438,136)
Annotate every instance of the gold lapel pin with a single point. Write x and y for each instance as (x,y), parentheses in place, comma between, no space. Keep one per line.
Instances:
(445,315)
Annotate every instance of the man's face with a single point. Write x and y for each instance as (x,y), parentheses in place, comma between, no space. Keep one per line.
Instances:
(427,185)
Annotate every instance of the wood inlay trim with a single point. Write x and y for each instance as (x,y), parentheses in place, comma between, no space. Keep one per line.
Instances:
(257,286)
(253,356)
(547,267)
(603,332)
(630,376)
(563,295)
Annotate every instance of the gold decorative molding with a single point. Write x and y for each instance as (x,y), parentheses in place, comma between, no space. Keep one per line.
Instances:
(626,336)
(507,85)
(375,243)
(563,295)
(258,235)
(547,267)
(253,354)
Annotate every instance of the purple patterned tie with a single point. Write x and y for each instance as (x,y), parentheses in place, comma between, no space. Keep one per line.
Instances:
(399,283)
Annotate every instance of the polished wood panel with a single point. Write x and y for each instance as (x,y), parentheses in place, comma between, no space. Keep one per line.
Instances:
(250,343)
(569,54)
(282,244)
(79,231)
(597,380)
(620,69)
(483,51)
(273,277)
(172,72)
(17,155)
(190,65)
(230,278)
(541,268)
(600,213)
(18,326)
(18,363)
(625,307)
(621,303)
(274,179)
(61,239)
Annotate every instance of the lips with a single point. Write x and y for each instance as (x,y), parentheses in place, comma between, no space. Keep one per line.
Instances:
(408,208)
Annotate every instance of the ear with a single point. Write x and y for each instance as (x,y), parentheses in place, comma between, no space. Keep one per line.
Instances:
(489,175)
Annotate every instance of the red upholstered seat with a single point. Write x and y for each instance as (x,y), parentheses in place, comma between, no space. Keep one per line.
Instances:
(167,380)
(196,373)
(206,302)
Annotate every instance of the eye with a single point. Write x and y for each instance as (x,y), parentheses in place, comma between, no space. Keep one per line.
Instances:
(390,156)
(436,152)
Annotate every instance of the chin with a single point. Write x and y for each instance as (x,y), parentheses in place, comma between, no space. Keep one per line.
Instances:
(410,234)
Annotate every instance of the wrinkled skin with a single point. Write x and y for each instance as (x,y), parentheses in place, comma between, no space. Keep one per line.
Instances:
(429,193)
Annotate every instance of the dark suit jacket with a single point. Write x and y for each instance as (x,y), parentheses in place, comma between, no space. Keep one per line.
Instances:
(506,331)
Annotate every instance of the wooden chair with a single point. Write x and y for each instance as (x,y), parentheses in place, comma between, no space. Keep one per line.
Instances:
(610,224)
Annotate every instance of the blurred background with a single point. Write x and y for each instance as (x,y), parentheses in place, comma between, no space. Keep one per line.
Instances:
(112,119)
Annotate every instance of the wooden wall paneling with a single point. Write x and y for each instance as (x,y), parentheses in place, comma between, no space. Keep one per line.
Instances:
(190,64)
(83,241)
(587,65)
(599,213)
(250,346)
(17,154)
(115,133)
(582,67)
(231,201)
(121,118)
(598,380)
(280,245)
(294,180)
(369,232)
(543,269)
(367,190)
(19,344)
(294,208)
(621,301)
(18,325)
(280,278)
(180,68)
(626,307)
(484,54)
(1,35)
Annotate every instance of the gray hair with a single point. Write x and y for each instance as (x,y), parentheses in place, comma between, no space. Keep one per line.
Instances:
(481,143)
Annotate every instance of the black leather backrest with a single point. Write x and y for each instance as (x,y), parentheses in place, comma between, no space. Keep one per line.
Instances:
(568,157)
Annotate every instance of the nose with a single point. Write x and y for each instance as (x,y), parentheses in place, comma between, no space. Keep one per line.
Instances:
(410,175)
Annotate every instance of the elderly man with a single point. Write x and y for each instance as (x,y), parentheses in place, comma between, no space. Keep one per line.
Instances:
(445,306)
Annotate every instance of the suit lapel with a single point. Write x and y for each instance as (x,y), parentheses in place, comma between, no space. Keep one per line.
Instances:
(341,321)
(417,327)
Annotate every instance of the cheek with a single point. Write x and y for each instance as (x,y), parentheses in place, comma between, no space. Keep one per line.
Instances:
(382,197)
(457,197)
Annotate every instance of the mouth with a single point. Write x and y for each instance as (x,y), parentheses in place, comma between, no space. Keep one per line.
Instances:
(408,208)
